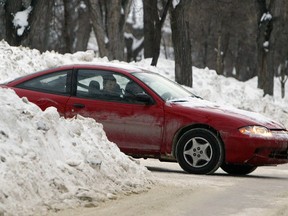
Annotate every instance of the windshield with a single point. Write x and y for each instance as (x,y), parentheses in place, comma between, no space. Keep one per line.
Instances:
(165,88)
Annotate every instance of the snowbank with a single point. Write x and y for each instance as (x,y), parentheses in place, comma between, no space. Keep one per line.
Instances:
(47,162)
(51,163)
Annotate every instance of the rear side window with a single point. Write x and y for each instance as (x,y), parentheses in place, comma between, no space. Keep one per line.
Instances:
(58,83)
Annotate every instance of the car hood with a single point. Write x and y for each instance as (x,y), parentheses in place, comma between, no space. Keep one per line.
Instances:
(223,112)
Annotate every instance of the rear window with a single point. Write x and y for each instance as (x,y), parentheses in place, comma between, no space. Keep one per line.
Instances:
(58,82)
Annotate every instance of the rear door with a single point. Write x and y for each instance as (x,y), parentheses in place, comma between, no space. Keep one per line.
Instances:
(135,127)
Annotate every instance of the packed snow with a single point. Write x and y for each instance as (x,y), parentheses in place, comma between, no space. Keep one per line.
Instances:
(51,163)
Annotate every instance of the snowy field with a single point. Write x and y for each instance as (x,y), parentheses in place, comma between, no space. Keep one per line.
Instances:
(50,163)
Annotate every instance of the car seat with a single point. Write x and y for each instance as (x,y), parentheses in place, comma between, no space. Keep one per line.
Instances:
(94,88)
(132,89)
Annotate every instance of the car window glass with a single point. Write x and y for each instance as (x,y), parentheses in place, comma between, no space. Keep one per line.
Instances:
(106,85)
(162,86)
(57,82)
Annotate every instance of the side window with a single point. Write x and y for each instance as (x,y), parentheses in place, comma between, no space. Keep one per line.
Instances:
(132,89)
(58,83)
(88,83)
(106,85)
(99,84)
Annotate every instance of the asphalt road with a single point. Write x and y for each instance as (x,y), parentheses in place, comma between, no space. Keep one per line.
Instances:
(264,192)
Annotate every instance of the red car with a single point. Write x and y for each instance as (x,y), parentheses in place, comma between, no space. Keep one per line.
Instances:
(149,116)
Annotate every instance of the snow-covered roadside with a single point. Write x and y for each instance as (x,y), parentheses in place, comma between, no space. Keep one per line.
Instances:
(47,162)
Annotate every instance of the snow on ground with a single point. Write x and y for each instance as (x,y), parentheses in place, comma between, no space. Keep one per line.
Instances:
(47,162)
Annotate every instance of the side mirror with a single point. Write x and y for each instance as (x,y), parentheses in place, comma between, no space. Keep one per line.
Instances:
(144,98)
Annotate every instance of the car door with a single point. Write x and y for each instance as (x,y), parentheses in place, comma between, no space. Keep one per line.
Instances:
(135,127)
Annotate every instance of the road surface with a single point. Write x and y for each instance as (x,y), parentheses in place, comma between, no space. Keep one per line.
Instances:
(264,192)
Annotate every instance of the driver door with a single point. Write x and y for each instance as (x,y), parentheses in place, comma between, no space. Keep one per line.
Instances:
(135,127)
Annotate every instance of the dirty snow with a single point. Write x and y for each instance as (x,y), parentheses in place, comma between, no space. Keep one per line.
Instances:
(51,163)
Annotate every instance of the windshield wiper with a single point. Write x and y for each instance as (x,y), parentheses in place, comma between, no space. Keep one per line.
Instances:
(178,100)
(182,100)
(195,96)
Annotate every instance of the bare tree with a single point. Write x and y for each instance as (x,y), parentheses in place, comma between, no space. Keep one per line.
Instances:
(283,77)
(11,8)
(134,33)
(157,36)
(37,35)
(265,26)
(108,20)
(58,25)
(2,20)
(181,42)
(150,18)
(154,19)
(83,28)
(77,27)
(67,30)
(278,40)
(222,34)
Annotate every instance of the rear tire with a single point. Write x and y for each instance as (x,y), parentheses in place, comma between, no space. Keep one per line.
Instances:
(233,169)
(199,151)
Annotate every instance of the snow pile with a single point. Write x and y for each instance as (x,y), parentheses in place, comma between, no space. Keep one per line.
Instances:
(48,162)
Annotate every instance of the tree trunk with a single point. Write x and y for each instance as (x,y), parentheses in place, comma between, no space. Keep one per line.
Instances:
(283,76)
(150,18)
(2,21)
(108,21)
(219,61)
(181,42)
(265,76)
(115,30)
(282,89)
(83,31)
(157,35)
(153,27)
(11,8)
(77,27)
(67,27)
(38,35)
(98,24)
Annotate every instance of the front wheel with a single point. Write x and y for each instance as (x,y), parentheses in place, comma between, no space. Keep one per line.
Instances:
(233,169)
(199,151)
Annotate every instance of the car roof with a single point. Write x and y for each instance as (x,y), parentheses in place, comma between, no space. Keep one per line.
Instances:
(106,66)
(117,67)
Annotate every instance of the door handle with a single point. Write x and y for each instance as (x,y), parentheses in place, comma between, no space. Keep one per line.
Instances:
(78,105)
